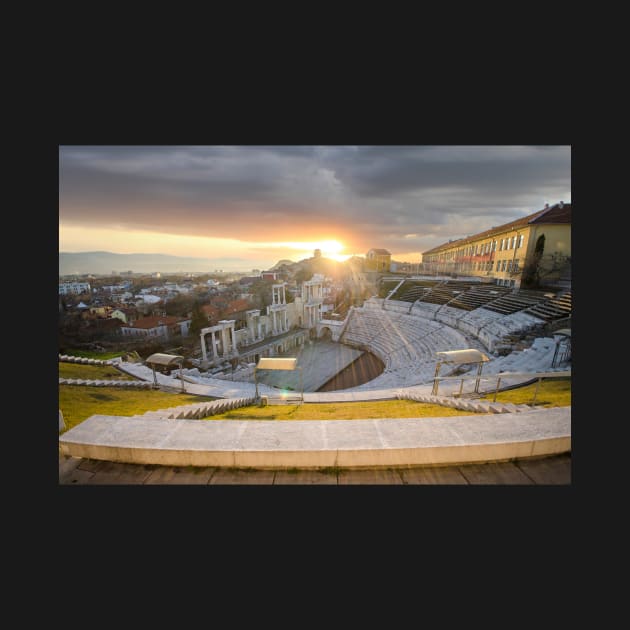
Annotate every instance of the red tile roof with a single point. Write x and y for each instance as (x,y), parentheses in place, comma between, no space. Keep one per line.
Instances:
(208,309)
(553,214)
(236,306)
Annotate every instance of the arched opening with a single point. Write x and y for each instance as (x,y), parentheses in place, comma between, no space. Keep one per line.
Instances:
(531,272)
(326,333)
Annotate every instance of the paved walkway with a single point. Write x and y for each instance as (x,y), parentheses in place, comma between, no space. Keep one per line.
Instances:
(555,470)
(233,389)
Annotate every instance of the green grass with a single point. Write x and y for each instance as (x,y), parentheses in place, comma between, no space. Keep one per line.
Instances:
(78,402)
(553,392)
(89,354)
(92,372)
(367,410)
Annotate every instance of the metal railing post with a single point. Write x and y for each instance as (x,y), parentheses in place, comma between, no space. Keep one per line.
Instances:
(536,390)
(497,389)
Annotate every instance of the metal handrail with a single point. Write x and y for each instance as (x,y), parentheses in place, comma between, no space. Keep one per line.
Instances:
(532,375)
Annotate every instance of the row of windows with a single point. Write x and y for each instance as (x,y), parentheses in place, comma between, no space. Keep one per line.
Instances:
(507,265)
(502,265)
(151,332)
(513,242)
(511,266)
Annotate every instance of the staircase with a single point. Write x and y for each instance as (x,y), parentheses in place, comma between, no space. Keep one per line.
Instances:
(464,404)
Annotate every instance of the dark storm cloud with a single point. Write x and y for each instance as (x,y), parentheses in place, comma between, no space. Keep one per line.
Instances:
(403,198)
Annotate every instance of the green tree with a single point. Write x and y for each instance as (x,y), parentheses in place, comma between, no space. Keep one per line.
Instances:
(303,275)
(261,290)
(198,320)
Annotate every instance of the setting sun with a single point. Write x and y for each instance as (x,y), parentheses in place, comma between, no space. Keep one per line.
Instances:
(330,249)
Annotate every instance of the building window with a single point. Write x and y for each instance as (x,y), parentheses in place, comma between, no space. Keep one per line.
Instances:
(507,243)
(520,240)
(514,242)
(515,266)
(509,266)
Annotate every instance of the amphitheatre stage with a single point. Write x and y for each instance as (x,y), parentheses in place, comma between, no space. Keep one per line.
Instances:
(319,361)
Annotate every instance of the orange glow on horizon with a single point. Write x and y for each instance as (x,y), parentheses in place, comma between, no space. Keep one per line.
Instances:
(74,238)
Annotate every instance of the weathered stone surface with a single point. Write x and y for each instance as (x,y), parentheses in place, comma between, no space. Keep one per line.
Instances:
(313,443)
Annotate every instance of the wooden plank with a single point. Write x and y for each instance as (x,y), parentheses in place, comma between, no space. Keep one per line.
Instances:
(369,477)
(76,477)
(495,473)
(548,471)
(162,475)
(242,477)
(434,475)
(177,475)
(195,475)
(131,474)
(105,473)
(304,477)
(91,465)
(67,464)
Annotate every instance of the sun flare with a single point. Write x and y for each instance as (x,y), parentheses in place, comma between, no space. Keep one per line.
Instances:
(329,248)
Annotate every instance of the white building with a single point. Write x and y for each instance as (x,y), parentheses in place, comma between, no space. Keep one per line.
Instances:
(74,288)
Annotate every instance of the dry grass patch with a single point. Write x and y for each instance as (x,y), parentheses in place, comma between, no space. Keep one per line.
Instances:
(78,402)
(92,372)
(365,410)
(553,392)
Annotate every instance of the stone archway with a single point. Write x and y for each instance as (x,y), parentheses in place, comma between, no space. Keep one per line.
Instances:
(325,333)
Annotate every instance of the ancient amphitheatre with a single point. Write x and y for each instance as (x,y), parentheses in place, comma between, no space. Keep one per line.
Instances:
(417,326)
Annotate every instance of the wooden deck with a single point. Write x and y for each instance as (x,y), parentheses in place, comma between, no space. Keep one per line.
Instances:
(554,470)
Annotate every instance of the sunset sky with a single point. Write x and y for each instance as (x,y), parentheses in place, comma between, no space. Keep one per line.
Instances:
(260,204)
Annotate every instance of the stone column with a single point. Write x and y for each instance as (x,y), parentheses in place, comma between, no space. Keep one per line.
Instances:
(215,350)
(203,347)
(224,341)
(233,331)
(250,328)
(259,326)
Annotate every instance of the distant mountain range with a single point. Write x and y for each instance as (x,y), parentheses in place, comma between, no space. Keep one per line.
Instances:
(106,262)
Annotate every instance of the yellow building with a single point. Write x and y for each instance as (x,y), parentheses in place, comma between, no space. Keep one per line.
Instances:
(378,260)
(530,251)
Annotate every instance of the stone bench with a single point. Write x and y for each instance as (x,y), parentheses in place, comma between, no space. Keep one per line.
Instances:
(322,443)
